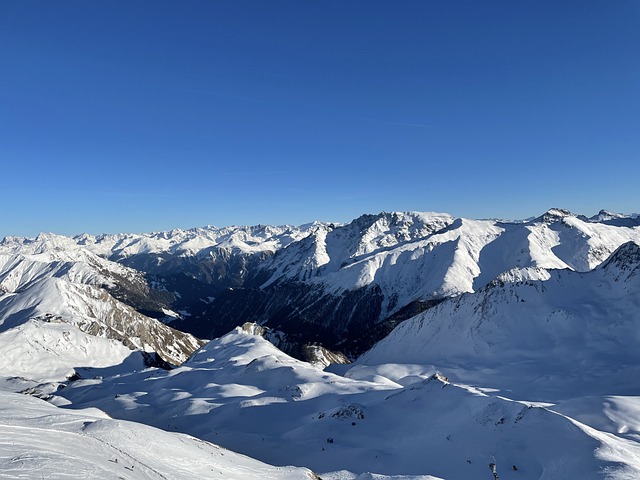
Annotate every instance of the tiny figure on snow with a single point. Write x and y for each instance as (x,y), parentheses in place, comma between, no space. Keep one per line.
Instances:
(492,467)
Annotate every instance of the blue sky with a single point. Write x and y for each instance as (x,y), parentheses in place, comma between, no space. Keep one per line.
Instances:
(140,116)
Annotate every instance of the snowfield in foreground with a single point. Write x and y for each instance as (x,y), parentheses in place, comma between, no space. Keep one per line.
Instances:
(241,392)
(43,441)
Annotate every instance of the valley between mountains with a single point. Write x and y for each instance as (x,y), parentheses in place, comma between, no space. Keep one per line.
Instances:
(396,346)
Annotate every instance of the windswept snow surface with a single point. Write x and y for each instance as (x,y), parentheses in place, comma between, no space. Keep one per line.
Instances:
(43,441)
(241,392)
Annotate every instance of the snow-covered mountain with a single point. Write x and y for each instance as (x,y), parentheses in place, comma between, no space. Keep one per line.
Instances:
(343,286)
(546,335)
(349,281)
(419,256)
(56,309)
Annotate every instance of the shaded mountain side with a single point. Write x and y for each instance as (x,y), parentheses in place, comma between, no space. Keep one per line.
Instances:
(335,322)
(139,295)
(348,323)
(219,267)
(190,284)
(366,338)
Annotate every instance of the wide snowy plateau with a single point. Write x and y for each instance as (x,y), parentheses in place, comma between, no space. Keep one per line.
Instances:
(516,345)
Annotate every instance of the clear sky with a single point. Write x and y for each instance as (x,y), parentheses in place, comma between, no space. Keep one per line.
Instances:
(147,115)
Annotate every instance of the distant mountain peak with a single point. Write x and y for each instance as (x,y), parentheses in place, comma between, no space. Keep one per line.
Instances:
(604,215)
(554,215)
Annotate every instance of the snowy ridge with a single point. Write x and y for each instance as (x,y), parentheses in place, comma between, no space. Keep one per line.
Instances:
(52,286)
(522,331)
(412,256)
(245,239)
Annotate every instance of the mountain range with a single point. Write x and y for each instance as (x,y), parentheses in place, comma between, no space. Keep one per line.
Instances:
(471,341)
(344,286)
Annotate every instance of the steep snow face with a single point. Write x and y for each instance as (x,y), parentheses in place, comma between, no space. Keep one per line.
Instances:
(571,333)
(51,280)
(332,248)
(48,442)
(412,256)
(248,396)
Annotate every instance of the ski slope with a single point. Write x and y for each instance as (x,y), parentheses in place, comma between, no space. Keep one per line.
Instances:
(43,441)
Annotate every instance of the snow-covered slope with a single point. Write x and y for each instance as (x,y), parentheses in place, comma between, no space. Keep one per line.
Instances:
(241,392)
(571,334)
(420,255)
(43,441)
(56,310)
